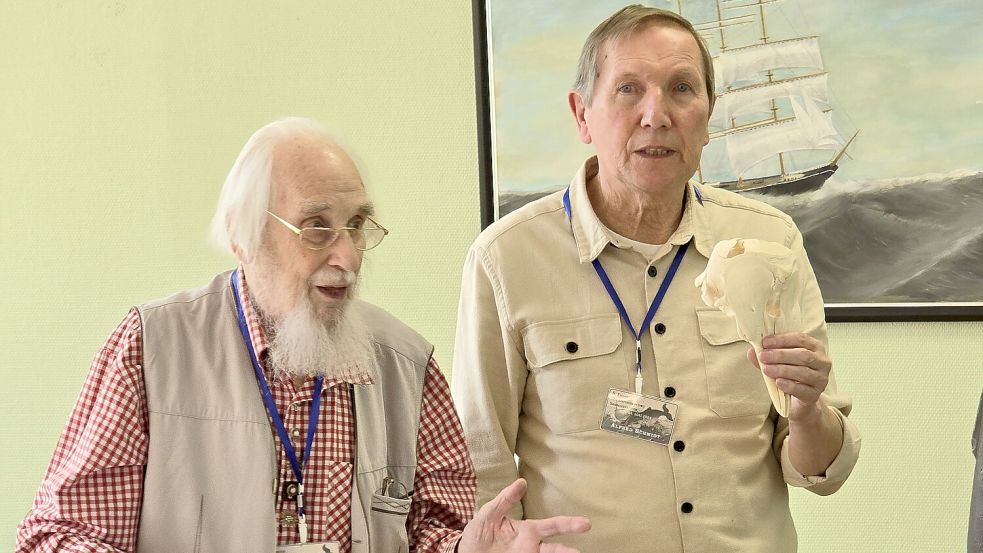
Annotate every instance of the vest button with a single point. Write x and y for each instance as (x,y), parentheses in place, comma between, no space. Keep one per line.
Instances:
(678,445)
(669,391)
(653,272)
(660,328)
(572,347)
(686,507)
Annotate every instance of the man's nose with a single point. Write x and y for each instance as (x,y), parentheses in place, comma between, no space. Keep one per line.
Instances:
(344,254)
(655,111)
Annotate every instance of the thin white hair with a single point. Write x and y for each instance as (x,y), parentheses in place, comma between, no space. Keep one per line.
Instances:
(240,216)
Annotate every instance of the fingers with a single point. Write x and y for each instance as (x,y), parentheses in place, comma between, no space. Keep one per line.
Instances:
(505,500)
(791,340)
(553,526)
(532,533)
(556,548)
(753,358)
(797,373)
(807,352)
(798,363)
(803,392)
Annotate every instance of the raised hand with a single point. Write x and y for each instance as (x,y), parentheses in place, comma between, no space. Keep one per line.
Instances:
(800,366)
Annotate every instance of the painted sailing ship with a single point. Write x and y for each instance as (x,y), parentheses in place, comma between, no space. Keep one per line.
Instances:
(772,100)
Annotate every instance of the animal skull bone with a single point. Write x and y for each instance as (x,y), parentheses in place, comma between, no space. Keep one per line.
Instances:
(758,285)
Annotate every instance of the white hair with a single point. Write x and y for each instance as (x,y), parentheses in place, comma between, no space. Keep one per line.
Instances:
(240,216)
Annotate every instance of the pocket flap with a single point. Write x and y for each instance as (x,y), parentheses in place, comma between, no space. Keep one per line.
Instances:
(716,327)
(551,341)
(391,505)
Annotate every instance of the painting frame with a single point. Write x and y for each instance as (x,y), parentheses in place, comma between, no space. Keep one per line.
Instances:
(835,312)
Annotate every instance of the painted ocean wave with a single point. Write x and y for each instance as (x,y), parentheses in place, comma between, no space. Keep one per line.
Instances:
(912,239)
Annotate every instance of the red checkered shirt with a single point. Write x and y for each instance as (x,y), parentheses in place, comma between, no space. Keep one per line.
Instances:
(91,494)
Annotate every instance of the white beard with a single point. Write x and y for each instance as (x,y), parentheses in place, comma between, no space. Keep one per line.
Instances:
(303,345)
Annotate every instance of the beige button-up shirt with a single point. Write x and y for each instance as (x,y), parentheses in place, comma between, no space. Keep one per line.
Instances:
(529,290)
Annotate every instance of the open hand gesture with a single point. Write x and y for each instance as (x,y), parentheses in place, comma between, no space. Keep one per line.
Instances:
(492,531)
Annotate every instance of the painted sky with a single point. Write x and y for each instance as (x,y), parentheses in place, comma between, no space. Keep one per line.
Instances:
(907,74)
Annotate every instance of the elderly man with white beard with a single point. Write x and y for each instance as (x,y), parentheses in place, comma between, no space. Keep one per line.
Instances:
(270,410)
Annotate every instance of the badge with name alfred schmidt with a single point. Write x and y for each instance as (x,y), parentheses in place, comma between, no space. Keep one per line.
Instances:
(638,416)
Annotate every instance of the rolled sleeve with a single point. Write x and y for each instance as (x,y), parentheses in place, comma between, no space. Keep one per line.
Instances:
(837,472)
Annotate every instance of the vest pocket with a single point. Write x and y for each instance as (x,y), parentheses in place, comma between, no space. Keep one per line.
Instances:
(735,388)
(572,364)
(387,519)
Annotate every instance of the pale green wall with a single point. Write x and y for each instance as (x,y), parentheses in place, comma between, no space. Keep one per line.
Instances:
(119,120)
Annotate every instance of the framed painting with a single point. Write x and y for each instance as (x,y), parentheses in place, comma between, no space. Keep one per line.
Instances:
(860,120)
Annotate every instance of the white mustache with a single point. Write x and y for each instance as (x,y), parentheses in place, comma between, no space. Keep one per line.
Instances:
(335,278)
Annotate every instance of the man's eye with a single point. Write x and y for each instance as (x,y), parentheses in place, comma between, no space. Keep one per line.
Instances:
(626,88)
(313,224)
(683,87)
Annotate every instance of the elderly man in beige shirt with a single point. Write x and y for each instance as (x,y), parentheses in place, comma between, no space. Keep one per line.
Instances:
(682,452)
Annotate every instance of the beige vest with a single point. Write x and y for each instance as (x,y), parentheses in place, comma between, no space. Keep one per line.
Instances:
(211,469)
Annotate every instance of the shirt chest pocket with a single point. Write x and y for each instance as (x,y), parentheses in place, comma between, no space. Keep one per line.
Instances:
(572,364)
(734,386)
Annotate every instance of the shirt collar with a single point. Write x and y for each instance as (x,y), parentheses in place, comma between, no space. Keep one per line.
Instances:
(253,324)
(592,236)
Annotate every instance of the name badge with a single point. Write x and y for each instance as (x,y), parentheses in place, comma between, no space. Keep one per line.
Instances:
(639,416)
(326,547)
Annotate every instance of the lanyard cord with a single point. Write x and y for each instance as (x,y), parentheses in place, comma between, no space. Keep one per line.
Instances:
(656,301)
(298,468)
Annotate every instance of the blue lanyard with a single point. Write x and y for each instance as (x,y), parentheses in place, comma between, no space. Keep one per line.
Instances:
(275,414)
(656,302)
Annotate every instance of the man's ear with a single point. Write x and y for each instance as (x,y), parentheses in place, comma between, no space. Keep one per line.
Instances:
(579,111)
(706,138)
(241,254)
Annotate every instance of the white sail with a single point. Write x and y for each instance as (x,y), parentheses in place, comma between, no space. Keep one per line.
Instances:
(714,162)
(747,63)
(811,129)
(757,99)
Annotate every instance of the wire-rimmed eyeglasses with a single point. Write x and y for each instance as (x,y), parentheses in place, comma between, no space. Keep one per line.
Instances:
(365,237)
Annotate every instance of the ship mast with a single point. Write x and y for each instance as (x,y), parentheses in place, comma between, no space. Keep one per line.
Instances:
(770,74)
(720,28)
(717,25)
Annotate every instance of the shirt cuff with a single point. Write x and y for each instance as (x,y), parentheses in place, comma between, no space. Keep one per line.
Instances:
(838,470)
(449,545)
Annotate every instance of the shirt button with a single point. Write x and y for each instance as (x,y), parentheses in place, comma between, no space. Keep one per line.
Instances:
(572,347)
(686,507)
(660,328)
(678,445)
(653,271)
(295,433)
(669,391)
